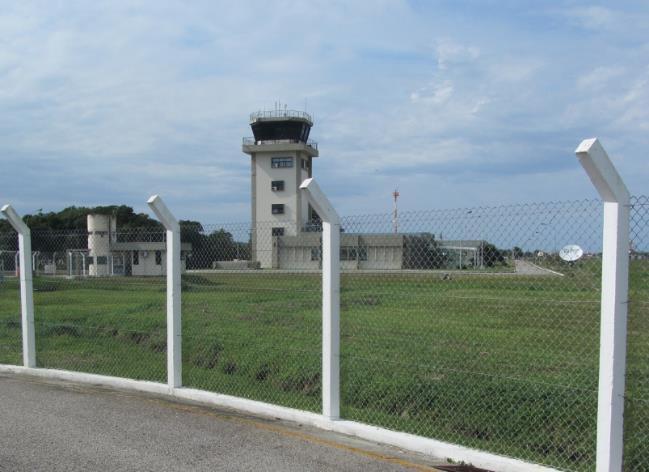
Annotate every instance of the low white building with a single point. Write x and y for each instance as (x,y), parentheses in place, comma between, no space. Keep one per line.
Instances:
(378,252)
(128,254)
(357,251)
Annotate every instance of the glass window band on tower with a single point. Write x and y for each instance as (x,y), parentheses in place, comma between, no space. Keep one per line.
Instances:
(277,162)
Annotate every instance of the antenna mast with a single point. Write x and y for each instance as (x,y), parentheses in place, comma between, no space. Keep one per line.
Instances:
(395,212)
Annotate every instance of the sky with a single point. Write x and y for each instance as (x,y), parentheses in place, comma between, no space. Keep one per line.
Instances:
(456,104)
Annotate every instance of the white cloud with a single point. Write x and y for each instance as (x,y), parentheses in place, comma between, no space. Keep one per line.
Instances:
(600,77)
(156,96)
(621,19)
(634,105)
(435,93)
(592,16)
(612,98)
(449,52)
(509,69)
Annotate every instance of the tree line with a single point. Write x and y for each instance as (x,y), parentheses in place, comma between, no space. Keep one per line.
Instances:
(68,229)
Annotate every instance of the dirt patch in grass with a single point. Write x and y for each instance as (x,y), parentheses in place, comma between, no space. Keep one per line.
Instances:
(208,358)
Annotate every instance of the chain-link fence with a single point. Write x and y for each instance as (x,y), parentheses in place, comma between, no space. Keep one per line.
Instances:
(467,325)
(99,300)
(251,326)
(636,413)
(10,334)
(471,328)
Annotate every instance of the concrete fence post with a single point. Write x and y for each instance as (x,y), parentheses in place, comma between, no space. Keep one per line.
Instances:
(26,284)
(174,335)
(615,297)
(330,298)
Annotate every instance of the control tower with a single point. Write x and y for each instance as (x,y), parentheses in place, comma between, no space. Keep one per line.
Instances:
(281,158)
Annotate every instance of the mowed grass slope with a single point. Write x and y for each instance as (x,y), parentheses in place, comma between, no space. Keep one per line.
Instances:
(499,362)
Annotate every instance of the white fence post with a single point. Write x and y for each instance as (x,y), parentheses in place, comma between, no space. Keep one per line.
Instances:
(330,299)
(174,337)
(26,285)
(615,294)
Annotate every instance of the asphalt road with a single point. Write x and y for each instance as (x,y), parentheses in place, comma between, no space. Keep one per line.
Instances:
(57,426)
(528,268)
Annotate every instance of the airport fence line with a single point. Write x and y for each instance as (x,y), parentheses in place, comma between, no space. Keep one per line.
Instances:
(462,325)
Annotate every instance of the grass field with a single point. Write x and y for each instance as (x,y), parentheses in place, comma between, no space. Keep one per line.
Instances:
(499,362)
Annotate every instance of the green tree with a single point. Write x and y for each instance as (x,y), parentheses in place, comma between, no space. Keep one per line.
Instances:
(422,251)
(492,255)
(67,229)
(219,245)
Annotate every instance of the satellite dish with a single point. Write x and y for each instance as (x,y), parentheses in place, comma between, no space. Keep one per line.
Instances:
(571,253)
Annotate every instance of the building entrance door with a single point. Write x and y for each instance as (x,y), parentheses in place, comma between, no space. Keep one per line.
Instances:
(118,264)
(128,267)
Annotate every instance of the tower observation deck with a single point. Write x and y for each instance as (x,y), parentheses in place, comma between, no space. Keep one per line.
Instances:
(280,126)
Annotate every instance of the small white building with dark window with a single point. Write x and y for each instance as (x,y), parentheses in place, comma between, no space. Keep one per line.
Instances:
(111,252)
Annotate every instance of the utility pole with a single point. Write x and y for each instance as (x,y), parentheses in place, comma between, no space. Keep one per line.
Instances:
(395,212)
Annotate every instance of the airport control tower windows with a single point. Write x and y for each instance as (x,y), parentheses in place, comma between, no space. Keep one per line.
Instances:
(277,162)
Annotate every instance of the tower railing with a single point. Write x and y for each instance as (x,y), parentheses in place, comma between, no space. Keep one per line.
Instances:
(280,114)
(251,141)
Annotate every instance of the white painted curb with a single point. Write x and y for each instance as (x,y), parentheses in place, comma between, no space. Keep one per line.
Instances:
(407,441)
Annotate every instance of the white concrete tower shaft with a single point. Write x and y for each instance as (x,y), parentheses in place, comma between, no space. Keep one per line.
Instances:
(101,231)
